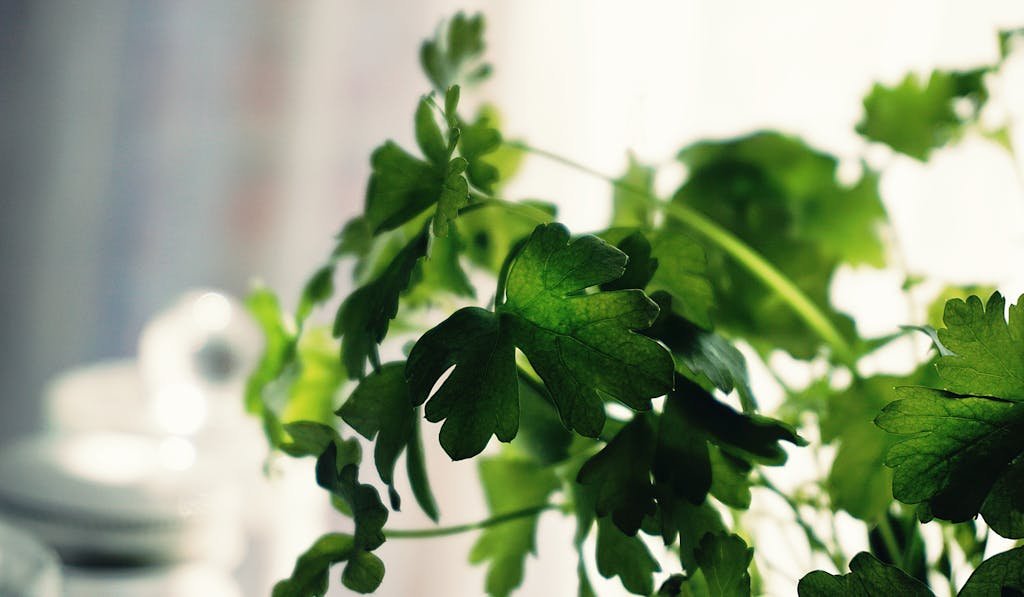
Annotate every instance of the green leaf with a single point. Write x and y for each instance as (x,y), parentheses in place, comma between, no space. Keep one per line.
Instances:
(363,318)
(317,290)
(621,474)
(730,478)
(308,438)
(454,196)
(541,436)
(380,404)
(682,272)
(440,273)
(311,395)
(480,397)
(363,500)
(782,198)
(310,576)
(915,117)
(428,134)
(858,481)
(401,186)
(477,141)
(962,451)
(1000,575)
(454,55)
(580,344)
(630,207)
(868,577)
(703,354)
(724,560)
(363,573)
(417,471)
(988,353)
(957,450)
(626,557)
(278,354)
(510,485)
(689,522)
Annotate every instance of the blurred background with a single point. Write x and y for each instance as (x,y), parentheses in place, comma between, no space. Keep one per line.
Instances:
(152,148)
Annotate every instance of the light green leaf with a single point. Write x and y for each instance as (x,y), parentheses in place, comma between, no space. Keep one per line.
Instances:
(630,207)
(510,485)
(454,55)
(916,117)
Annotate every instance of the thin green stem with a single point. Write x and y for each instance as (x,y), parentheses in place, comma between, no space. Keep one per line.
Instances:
(472,526)
(525,210)
(891,545)
(742,253)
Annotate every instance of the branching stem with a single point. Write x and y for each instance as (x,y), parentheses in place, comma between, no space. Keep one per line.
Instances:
(472,526)
(746,256)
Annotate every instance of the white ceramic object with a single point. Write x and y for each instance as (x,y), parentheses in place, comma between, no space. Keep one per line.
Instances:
(116,499)
(27,568)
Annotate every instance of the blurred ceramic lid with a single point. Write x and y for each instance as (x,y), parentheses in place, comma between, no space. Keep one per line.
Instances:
(187,580)
(118,499)
(104,396)
(27,567)
(194,358)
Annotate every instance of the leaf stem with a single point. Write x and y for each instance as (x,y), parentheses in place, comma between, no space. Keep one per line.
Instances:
(891,545)
(746,256)
(472,526)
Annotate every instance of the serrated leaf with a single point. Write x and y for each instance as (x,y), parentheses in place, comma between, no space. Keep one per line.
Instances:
(363,318)
(454,196)
(723,559)
(579,344)
(960,452)
(480,397)
(310,577)
(363,501)
(477,142)
(915,117)
(510,485)
(868,577)
(678,518)
(454,55)
(625,557)
(621,475)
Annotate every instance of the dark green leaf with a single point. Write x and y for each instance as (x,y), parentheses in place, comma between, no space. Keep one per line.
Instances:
(318,289)
(690,523)
(381,404)
(914,117)
(363,573)
(510,485)
(417,471)
(962,450)
(724,559)
(310,576)
(541,433)
(478,140)
(999,576)
(363,318)
(454,55)
(581,343)
(363,500)
(307,438)
(401,186)
(867,578)
(626,557)
(621,474)
(480,397)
